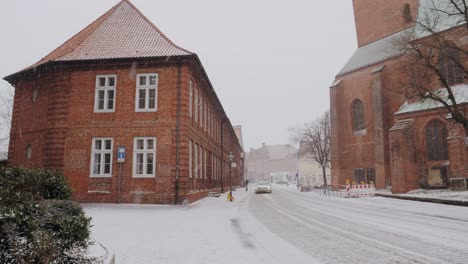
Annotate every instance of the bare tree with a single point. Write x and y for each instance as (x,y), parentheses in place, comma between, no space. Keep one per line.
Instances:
(315,137)
(6,107)
(434,60)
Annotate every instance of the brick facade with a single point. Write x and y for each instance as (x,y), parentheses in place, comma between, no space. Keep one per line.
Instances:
(391,149)
(62,122)
(377,19)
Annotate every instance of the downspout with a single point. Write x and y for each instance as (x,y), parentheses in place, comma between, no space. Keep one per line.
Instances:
(179,73)
(222,154)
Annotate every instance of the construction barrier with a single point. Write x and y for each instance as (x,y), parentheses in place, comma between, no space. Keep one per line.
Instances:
(361,190)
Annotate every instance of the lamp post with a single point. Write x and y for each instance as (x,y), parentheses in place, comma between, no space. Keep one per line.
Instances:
(231,159)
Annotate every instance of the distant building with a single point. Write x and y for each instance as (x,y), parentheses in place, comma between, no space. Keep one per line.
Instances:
(121,82)
(377,135)
(309,170)
(272,162)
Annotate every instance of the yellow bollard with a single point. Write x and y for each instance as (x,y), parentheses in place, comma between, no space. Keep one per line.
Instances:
(230,198)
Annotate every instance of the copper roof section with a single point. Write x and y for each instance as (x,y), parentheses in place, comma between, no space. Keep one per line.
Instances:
(122,32)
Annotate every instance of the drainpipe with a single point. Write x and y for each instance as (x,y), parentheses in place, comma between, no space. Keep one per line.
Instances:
(222,153)
(179,73)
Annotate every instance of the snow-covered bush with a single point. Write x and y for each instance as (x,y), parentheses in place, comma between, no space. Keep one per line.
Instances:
(33,227)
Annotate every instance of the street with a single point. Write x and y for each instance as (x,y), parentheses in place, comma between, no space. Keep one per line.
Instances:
(284,227)
(365,230)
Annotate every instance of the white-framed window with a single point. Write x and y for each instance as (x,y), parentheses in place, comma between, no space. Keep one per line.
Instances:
(190,158)
(146,99)
(104,100)
(144,157)
(196,161)
(206,117)
(201,162)
(204,165)
(201,111)
(196,105)
(101,157)
(191,98)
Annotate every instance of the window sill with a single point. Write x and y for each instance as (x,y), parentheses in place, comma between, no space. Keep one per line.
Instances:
(362,132)
(104,111)
(100,176)
(144,176)
(146,110)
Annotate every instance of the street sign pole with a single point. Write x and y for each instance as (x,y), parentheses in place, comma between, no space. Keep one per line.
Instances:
(120,182)
(120,159)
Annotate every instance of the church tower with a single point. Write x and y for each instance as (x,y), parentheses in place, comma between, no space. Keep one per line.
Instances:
(376,19)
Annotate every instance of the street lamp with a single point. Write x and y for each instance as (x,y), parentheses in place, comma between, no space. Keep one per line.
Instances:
(231,159)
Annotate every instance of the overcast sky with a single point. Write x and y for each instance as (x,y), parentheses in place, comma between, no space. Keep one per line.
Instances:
(270,61)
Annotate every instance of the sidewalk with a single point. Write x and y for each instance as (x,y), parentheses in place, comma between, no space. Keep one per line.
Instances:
(459,198)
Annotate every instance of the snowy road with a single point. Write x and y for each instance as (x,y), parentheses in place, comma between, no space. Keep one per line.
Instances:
(366,230)
(284,227)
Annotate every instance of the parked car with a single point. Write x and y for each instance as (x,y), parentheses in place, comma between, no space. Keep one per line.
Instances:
(263,187)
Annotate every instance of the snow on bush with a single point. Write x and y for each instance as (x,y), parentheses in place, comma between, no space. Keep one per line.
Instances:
(38,222)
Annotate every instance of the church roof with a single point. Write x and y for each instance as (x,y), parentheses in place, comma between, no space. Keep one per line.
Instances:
(460,93)
(376,52)
(390,46)
(122,32)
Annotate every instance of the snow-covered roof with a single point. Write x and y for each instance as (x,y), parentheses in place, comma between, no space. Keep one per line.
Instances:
(427,15)
(238,131)
(460,92)
(376,52)
(122,32)
(388,47)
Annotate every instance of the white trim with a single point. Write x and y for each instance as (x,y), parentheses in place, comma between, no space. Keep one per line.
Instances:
(106,88)
(101,152)
(147,87)
(145,151)
(196,161)
(196,105)
(201,111)
(190,158)
(190,99)
(204,160)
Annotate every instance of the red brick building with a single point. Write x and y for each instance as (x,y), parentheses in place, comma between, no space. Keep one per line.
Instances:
(120,82)
(376,134)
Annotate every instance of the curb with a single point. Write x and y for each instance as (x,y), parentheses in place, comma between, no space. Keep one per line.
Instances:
(425,199)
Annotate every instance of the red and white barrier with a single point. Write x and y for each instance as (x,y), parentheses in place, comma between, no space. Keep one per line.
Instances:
(361,190)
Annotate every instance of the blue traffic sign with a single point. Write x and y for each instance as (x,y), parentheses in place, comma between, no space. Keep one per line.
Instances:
(121,154)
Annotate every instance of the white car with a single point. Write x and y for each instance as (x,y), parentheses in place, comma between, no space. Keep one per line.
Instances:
(263,187)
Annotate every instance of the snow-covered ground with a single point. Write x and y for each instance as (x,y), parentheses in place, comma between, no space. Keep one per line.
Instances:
(439,194)
(366,230)
(209,231)
(284,227)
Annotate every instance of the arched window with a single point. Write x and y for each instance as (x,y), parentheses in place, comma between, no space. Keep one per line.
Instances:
(436,141)
(359,120)
(450,65)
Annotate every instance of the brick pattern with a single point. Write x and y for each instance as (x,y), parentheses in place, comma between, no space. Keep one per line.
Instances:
(62,124)
(376,19)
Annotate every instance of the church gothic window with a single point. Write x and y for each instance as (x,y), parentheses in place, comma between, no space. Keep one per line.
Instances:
(450,65)
(359,120)
(436,141)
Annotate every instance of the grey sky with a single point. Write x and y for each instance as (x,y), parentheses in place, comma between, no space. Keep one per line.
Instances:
(270,61)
